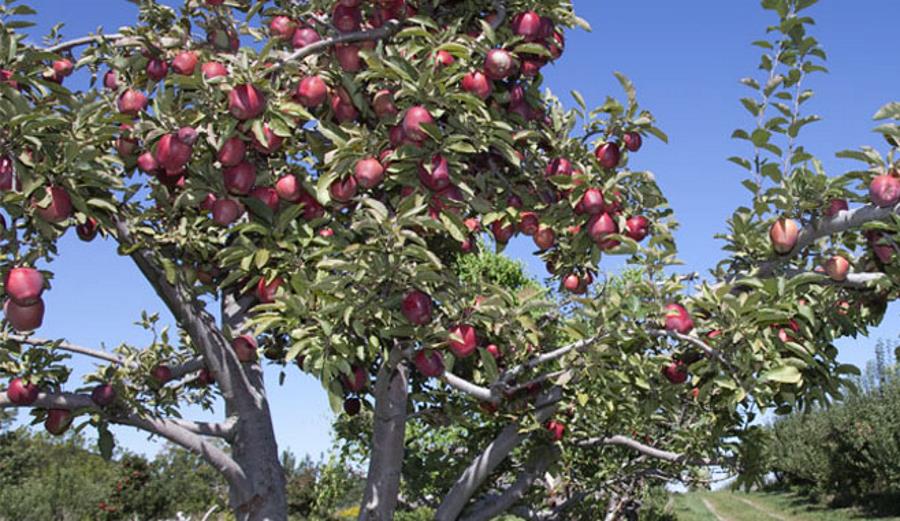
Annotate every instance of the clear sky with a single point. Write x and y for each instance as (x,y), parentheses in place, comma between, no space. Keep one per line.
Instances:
(685,59)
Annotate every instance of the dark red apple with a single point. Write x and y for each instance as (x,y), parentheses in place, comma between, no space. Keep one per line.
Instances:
(205,377)
(357,381)
(632,141)
(24,318)
(346,19)
(383,104)
(232,152)
(304,36)
(592,201)
(438,178)
(110,80)
(352,406)
(58,421)
(557,430)
(417,307)
(637,227)
(502,232)
(24,285)
(87,230)
(282,27)
(544,237)
(7,174)
(240,178)
(172,153)
(342,105)
(161,374)
(21,392)
(368,172)
(343,190)
(835,206)
(413,120)
(784,234)
(599,227)
(558,167)
(103,395)
(272,141)
(608,154)
(157,69)
(226,211)
(246,102)
(348,57)
(429,363)
(527,25)
(528,223)
(675,372)
(883,250)
(266,195)
(289,188)
(463,340)
(60,207)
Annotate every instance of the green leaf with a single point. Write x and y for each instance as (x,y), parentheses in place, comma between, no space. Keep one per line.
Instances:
(785,374)
(105,442)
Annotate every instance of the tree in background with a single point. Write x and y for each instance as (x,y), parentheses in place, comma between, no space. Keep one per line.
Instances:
(318,185)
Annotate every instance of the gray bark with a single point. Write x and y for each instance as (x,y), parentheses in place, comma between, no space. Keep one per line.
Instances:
(386,457)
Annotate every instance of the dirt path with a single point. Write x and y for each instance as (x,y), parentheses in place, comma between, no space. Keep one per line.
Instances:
(756,506)
(712,510)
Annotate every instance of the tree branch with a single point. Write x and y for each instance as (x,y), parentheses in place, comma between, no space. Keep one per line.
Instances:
(389,28)
(84,40)
(67,346)
(646,450)
(580,345)
(224,430)
(492,506)
(167,429)
(853,281)
(461,384)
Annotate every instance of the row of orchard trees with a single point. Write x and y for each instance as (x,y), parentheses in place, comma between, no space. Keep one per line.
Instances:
(319,184)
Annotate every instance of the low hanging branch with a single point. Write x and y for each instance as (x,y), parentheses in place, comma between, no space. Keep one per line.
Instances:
(68,346)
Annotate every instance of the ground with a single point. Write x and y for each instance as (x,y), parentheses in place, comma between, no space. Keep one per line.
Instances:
(730,506)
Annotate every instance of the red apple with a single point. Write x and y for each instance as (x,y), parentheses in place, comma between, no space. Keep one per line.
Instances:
(502,232)
(884,190)
(60,207)
(477,84)
(558,167)
(226,211)
(131,102)
(289,188)
(637,227)
(357,381)
(429,363)
(438,178)
(246,102)
(678,319)
(267,291)
(110,80)
(557,430)
(675,372)
(161,374)
(172,153)
(21,392)
(528,223)
(494,351)
(784,234)
(835,206)
(527,25)
(311,92)
(883,250)
(24,318)
(240,178)
(212,70)
(58,421)
(346,19)
(7,174)
(272,141)
(837,267)
(245,348)
(352,406)
(146,162)
(463,340)
(282,27)
(608,154)
(342,105)
(413,120)
(592,201)
(266,195)
(205,377)
(312,209)
(103,395)
(632,141)
(443,59)
(185,63)
(232,152)
(383,104)
(368,172)
(599,227)
(417,307)
(544,238)
(87,230)
(157,69)
(24,285)
(343,190)
(63,68)
(348,57)
(573,284)
(304,36)
(499,64)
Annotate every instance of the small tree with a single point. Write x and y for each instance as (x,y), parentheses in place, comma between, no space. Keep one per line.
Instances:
(318,185)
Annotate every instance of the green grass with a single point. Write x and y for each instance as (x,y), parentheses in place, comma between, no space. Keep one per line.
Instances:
(760,506)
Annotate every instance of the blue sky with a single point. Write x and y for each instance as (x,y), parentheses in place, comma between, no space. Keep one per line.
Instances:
(685,59)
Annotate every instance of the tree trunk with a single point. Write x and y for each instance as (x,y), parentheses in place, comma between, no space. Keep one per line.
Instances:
(254,448)
(388,438)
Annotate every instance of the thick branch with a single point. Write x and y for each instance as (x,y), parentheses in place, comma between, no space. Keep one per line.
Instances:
(494,505)
(461,384)
(84,40)
(490,458)
(224,430)
(580,345)
(68,346)
(843,221)
(853,281)
(167,429)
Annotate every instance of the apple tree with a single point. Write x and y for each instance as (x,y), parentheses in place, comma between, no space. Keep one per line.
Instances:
(299,184)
